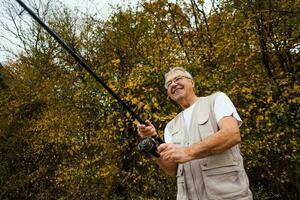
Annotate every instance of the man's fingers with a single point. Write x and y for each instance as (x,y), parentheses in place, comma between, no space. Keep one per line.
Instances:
(141,126)
(167,155)
(146,130)
(162,147)
(165,150)
(149,123)
(168,151)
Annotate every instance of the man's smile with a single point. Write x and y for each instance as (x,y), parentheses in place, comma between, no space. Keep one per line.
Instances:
(176,88)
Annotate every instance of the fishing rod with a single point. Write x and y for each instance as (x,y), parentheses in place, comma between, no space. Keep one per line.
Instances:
(148,144)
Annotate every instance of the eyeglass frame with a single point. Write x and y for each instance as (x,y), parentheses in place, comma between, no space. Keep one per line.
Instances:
(175,80)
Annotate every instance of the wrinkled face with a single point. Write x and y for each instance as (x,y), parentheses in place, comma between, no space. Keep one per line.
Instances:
(179,86)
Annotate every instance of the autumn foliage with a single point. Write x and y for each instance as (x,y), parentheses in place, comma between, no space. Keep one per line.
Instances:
(62,136)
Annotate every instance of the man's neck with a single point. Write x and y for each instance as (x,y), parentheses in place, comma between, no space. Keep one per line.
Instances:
(187,102)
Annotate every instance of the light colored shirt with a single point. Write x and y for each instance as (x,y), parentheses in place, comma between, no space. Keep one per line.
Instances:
(223,107)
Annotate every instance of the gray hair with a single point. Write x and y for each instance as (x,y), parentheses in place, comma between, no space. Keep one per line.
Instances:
(172,70)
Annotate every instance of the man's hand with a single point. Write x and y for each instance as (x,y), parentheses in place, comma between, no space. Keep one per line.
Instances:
(146,130)
(171,152)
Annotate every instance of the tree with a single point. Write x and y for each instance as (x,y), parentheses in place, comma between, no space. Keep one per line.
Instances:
(64,137)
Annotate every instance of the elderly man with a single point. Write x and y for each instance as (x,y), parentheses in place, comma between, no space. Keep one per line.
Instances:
(201,147)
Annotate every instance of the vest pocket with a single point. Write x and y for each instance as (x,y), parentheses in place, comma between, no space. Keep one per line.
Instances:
(204,126)
(177,138)
(224,180)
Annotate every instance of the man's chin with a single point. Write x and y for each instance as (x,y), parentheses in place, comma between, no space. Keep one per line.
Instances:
(178,97)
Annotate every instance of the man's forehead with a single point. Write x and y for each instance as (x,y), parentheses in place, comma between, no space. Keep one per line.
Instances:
(174,74)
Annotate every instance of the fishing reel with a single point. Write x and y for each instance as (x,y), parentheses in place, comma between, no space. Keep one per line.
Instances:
(150,144)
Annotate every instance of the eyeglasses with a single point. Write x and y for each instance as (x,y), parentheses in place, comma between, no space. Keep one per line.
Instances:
(175,80)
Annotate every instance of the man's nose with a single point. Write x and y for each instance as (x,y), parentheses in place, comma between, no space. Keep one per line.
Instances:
(173,83)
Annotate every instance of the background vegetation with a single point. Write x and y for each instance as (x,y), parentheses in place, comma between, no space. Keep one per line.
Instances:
(62,136)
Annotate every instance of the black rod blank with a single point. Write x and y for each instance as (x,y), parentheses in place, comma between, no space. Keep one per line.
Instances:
(80,61)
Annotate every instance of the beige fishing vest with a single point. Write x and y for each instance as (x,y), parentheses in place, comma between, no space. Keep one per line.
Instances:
(216,177)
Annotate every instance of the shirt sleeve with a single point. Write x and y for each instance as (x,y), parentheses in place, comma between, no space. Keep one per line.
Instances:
(224,107)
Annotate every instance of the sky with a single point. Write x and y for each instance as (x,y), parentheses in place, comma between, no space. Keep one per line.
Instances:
(102,7)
